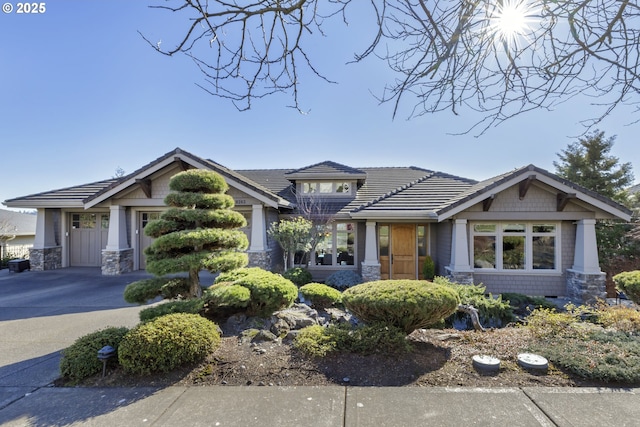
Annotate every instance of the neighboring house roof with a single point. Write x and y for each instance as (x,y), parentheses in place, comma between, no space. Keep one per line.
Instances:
(17,223)
(635,189)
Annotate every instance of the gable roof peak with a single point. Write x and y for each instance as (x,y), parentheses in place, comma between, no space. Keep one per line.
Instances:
(326,170)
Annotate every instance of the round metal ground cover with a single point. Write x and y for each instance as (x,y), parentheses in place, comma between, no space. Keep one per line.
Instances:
(487,363)
(532,361)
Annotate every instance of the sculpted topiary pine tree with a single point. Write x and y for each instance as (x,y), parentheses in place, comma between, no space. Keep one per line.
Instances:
(198,231)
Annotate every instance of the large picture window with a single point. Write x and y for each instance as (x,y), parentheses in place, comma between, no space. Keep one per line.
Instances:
(515,246)
(338,245)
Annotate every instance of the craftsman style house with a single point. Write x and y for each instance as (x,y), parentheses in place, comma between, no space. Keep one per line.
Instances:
(525,231)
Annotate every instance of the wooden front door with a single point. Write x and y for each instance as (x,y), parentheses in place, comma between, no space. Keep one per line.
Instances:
(403,251)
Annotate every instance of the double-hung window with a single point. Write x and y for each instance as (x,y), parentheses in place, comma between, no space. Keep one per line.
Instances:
(515,246)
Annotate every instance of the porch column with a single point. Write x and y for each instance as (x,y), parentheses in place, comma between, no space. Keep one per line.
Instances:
(585,257)
(117,257)
(371,246)
(371,264)
(117,237)
(258,231)
(45,231)
(259,256)
(459,269)
(46,253)
(586,283)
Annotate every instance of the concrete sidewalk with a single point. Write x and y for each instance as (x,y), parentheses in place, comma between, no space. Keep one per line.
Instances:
(42,313)
(323,406)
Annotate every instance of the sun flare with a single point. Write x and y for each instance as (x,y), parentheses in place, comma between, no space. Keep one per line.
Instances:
(510,20)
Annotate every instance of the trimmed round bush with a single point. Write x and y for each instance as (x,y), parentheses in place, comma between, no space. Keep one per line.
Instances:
(193,306)
(321,296)
(343,279)
(298,275)
(80,359)
(406,304)
(629,283)
(198,181)
(269,291)
(167,342)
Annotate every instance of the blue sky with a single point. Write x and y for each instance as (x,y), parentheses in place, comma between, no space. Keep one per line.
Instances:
(82,94)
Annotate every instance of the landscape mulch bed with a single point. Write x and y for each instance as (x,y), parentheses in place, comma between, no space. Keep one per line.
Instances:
(440,358)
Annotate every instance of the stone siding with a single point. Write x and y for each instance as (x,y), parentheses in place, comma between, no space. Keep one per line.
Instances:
(46,258)
(462,277)
(586,288)
(117,262)
(260,259)
(370,272)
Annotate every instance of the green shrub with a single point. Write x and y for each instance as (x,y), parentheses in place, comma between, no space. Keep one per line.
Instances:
(377,337)
(599,356)
(314,341)
(343,279)
(298,275)
(80,360)
(193,306)
(523,304)
(141,291)
(269,291)
(547,323)
(321,296)
(629,283)
(406,304)
(167,342)
(620,318)
(492,312)
(428,268)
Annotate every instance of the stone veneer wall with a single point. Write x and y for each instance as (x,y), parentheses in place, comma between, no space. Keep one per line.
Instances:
(462,277)
(260,259)
(370,272)
(586,288)
(117,262)
(45,259)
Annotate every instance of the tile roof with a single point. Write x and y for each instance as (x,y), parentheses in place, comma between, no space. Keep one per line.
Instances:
(385,190)
(71,195)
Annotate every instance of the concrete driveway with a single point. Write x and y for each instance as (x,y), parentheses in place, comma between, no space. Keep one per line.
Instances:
(44,312)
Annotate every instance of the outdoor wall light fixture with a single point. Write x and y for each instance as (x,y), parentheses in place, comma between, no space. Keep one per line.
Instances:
(104,354)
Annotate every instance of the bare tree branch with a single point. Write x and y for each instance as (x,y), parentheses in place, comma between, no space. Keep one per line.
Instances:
(446,55)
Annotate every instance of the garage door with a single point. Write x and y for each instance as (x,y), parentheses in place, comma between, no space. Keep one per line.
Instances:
(145,241)
(88,234)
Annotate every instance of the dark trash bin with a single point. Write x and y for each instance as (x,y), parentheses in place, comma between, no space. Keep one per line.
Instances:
(19,265)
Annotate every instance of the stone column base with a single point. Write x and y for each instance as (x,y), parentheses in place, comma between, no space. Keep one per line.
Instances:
(45,258)
(370,272)
(117,262)
(586,288)
(461,277)
(260,259)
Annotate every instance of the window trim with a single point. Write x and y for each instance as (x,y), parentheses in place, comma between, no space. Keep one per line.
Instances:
(528,234)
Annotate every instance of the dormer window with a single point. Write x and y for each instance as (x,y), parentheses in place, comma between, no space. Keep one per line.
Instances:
(326,187)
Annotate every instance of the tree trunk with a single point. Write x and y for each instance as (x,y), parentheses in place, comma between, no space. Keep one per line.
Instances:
(473,312)
(194,289)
